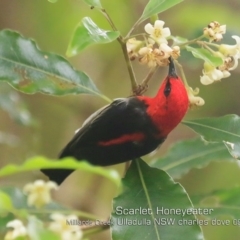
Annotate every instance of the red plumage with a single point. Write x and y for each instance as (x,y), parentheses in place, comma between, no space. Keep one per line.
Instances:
(127,128)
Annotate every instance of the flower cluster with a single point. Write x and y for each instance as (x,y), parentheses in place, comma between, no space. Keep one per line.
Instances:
(193,99)
(155,50)
(38,196)
(228,53)
(39,192)
(62,227)
(214,31)
(18,230)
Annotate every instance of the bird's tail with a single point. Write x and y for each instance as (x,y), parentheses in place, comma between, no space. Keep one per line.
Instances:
(57,175)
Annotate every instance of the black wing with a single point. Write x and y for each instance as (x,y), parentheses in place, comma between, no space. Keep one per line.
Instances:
(122,116)
(118,120)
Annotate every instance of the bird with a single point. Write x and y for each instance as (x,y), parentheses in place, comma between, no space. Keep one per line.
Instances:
(127,128)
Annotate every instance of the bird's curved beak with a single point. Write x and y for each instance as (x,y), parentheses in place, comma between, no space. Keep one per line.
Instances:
(172,70)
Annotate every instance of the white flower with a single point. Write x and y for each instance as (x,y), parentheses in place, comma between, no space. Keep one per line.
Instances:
(193,100)
(231,51)
(214,31)
(133,47)
(166,50)
(39,192)
(157,32)
(212,74)
(66,226)
(18,230)
(147,56)
(175,52)
(157,56)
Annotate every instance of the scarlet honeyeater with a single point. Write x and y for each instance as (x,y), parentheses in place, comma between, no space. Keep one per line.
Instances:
(127,128)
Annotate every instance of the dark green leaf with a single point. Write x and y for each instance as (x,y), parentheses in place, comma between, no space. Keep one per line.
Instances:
(88,33)
(153,190)
(157,6)
(30,70)
(224,129)
(37,163)
(205,55)
(94,3)
(188,154)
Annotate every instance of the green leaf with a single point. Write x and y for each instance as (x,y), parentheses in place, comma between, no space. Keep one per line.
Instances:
(5,202)
(94,3)
(88,33)
(39,162)
(188,154)
(52,1)
(224,129)
(147,191)
(223,202)
(157,6)
(30,70)
(205,55)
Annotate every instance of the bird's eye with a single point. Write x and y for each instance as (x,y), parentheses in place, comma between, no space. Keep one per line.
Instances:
(167,89)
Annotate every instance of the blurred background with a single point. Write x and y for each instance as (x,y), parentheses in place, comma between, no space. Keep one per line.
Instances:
(38,124)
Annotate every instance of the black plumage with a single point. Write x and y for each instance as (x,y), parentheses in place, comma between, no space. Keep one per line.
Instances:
(118,121)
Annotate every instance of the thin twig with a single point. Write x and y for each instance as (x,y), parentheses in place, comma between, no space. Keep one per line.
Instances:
(95,228)
(130,69)
(146,80)
(205,44)
(104,12)
(191,41)
(125,53)
(133,27)
(182,73)
(144,35)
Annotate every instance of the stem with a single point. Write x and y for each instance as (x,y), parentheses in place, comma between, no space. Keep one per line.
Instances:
(129,67)
(104,97)
(133,27)
(206,46)
(210,44)
(78,213)
(144,35)
(191,41)
(182,73)
(122,42)
(146,80)
(104,12)
(90,230)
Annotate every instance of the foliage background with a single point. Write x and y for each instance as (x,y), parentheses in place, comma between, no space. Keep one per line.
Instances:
(42,125)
